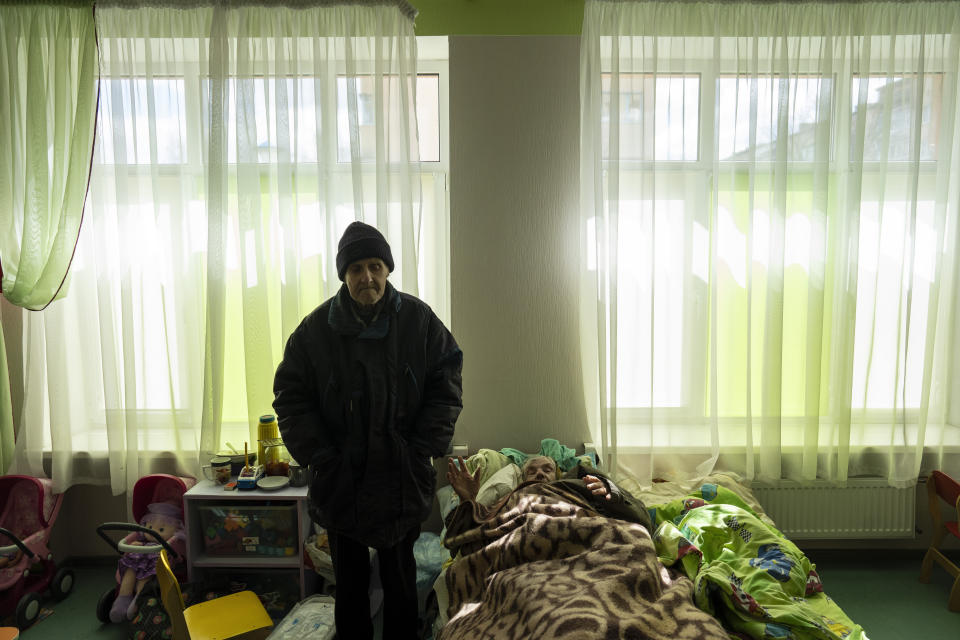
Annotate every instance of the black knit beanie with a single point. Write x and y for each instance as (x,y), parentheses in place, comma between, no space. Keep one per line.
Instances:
(361,241)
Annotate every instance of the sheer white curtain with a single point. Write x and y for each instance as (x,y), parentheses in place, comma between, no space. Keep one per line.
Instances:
(770,198)
(235,144)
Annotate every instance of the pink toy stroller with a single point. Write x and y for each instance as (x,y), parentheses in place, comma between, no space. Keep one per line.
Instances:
(151,489)
(29,509)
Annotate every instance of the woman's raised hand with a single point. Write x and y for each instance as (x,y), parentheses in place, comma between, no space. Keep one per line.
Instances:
(465,484)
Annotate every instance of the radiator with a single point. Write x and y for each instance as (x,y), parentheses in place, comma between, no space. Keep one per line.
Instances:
(865,508)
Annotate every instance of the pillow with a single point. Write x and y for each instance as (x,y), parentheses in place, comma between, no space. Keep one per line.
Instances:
(448,500)
(488,461)
(564,456)
(499,484)
(587,461)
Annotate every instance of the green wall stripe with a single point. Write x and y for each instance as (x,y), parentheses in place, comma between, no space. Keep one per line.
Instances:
(498,17)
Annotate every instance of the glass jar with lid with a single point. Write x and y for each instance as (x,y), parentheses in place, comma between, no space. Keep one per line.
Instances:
(276,457)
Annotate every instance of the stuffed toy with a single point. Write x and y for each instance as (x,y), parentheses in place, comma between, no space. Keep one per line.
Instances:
(10,559)
(136,569)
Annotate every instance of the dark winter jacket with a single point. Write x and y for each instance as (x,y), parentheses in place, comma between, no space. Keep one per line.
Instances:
(367,407)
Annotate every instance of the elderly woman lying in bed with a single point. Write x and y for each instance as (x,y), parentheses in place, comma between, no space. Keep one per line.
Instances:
(568,558)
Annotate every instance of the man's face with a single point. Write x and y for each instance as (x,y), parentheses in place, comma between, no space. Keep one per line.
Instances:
(366,280)
(540,469)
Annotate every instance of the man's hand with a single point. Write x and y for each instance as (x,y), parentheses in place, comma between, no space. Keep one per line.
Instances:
(464,484)
(596,486)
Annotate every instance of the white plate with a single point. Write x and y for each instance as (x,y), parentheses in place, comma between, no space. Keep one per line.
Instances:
(272,483)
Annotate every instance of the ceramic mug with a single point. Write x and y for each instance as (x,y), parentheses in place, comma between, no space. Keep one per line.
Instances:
(298,475)
(218,470)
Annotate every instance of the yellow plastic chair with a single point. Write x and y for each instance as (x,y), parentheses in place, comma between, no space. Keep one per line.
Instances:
(940,486)
(236,616)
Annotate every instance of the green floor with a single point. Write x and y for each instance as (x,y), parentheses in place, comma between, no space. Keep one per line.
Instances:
(881,592)
(878,590)
(75,617)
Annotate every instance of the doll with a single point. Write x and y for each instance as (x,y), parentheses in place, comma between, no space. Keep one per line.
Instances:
(10,559)
(136,569)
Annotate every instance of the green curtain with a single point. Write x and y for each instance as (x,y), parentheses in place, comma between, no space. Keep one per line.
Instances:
(48,72)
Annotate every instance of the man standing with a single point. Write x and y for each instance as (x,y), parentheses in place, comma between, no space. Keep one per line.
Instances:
(368,392)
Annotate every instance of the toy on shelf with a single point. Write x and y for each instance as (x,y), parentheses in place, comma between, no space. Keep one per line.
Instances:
(249,474)
(245,530)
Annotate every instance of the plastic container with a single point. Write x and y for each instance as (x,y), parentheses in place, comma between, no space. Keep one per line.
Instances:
(310,619)
(267,430)
(249,530)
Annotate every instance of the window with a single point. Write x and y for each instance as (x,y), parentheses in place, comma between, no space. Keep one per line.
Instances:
(428,117)
(658,116)
(708,139)
(149,196)
(890,117)
(804,98)
(167,96)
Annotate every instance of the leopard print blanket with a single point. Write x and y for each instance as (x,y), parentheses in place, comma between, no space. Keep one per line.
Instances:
(545,564)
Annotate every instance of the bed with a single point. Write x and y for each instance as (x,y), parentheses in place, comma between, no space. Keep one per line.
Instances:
(545,563)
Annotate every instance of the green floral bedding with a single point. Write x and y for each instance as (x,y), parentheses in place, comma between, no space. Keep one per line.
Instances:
(745,572)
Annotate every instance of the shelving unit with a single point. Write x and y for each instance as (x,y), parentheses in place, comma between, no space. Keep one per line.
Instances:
(209,494)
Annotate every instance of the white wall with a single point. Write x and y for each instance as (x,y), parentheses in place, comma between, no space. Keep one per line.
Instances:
(84,508)
(514,158)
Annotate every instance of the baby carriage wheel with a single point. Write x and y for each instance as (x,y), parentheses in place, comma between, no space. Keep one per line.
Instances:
(27,610)
(62,584)
(104,605)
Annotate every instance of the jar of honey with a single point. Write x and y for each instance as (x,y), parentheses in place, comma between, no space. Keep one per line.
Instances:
(277,458)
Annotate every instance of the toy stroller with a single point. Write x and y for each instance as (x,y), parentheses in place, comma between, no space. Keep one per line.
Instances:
(29,509)
(158,507)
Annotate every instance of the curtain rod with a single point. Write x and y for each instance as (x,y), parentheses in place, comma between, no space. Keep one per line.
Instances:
(56,3)
(405,7)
